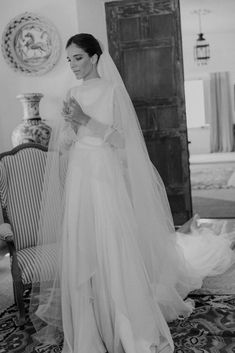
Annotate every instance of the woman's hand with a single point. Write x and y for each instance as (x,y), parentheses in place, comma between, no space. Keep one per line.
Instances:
(73,112)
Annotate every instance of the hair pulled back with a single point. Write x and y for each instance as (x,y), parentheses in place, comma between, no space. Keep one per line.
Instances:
(86,42)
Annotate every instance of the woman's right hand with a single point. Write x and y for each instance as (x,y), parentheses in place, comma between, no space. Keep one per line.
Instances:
(67,111)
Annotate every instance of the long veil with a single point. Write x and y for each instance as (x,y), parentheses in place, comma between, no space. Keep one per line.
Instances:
(171,277)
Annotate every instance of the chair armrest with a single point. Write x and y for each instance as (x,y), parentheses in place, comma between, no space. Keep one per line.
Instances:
(6,233)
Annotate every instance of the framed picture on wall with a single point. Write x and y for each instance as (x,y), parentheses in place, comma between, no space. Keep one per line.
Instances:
(31,44)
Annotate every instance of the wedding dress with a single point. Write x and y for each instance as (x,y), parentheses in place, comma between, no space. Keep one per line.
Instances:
(117,287)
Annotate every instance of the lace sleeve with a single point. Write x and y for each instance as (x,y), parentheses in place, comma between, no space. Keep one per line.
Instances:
(67,137)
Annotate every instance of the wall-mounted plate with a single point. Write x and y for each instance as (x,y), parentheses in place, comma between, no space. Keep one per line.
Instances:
(31,44)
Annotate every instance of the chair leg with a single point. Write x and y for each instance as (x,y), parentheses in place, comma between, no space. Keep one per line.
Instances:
(18,288)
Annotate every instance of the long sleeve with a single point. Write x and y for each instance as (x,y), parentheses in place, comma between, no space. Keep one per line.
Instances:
(67,134)
(67,137)
(113,134)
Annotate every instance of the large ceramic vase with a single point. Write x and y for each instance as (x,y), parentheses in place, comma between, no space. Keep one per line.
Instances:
(32,128)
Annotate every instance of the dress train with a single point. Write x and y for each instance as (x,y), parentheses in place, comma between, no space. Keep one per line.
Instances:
(108,300)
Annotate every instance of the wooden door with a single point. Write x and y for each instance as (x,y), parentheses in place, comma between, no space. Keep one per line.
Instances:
(145,42)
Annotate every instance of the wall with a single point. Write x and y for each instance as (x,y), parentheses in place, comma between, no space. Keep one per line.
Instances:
(199,140)
(91,18)
(222,51)
(222,59)
(53,84)
(87,16)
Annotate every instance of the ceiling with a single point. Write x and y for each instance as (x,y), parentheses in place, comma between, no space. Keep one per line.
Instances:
(220,19)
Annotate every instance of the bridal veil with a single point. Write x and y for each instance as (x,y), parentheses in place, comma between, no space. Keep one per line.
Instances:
(170,276)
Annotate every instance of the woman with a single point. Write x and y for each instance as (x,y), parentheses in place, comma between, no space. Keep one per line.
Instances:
(121,270)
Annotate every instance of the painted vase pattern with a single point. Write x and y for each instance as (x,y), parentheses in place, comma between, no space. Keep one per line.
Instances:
(33,128)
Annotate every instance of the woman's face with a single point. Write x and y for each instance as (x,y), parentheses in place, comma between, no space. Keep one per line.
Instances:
(82,65)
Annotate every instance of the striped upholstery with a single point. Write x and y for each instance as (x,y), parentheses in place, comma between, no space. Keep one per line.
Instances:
(21,179)
(3,185)
(37,263)
(21,182)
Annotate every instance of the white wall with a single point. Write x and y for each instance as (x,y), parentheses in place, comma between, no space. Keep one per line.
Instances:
(222,50)
(199,138)
(70,17)
(54,84)
(91,19)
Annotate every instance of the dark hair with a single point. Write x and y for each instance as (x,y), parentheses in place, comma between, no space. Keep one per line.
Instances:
(87,42)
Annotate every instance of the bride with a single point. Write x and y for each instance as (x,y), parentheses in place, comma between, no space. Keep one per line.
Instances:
(121,270)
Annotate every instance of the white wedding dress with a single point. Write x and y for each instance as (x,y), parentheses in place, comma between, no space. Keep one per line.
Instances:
(107,303)
(108,300)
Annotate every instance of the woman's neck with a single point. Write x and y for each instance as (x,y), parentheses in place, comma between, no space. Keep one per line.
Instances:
(92,74)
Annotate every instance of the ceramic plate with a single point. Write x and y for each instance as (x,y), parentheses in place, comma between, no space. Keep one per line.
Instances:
(31,44)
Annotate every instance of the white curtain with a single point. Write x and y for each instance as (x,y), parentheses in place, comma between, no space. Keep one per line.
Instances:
(221,124)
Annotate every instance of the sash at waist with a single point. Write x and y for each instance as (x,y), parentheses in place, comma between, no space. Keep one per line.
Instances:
(91,142)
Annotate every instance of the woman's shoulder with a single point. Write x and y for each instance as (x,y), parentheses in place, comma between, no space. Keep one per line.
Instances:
(73,90)
(100,85)
(105,84)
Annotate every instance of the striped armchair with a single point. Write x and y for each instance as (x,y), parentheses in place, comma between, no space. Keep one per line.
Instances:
(21,180)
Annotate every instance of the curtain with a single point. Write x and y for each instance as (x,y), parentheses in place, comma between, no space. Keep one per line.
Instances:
(221,124)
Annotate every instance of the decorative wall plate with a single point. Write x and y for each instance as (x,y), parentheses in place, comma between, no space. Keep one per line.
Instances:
(31,44)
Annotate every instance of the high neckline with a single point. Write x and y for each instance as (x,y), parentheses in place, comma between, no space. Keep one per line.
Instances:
(91,80)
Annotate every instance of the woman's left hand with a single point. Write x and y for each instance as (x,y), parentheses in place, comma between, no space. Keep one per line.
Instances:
(77,115)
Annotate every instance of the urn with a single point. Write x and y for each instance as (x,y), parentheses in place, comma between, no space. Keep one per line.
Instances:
(33,128)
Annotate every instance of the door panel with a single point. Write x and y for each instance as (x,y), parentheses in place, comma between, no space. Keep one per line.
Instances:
(145,42)
(148,85)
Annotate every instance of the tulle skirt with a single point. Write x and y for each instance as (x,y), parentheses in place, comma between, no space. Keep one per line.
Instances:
(108,301)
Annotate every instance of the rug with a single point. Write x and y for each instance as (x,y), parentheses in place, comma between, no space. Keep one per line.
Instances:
(210,328)
(15,339)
